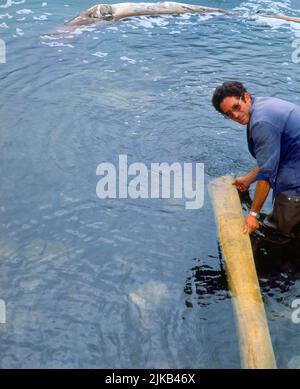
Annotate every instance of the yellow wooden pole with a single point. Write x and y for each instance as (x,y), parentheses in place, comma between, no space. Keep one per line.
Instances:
(255,341)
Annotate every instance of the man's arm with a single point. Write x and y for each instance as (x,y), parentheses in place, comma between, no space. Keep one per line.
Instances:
(251,176)
(261,193)
(243,182)
(267,143)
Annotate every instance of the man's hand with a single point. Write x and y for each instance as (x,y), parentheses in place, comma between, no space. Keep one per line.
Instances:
(242,183)
(251,224)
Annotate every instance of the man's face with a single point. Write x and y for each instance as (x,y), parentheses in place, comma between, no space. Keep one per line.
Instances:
(237,109)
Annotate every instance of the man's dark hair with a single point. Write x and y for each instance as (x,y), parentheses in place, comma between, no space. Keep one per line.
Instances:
(227,89)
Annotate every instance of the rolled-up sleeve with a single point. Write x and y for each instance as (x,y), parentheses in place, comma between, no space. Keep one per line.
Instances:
(267,142)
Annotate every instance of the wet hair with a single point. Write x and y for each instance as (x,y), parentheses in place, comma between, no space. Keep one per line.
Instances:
(227,89)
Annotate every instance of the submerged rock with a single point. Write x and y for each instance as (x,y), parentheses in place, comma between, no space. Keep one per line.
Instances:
(40,249)
(149,295)
(7,248)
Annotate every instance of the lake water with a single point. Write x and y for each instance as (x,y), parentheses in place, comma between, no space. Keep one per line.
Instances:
(128,283)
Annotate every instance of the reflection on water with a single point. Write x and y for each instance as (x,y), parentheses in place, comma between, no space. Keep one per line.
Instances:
(276,256)
(277,262)
(278,265)
(205,282)
(278,268)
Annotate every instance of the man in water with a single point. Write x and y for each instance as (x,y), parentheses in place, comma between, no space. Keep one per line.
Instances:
(273,135)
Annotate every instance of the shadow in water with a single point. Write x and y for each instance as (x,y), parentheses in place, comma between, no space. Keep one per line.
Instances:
(277,257)
(206,283)
(278,265)
(277,261)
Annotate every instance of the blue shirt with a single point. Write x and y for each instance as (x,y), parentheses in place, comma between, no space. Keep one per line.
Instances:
(273,135)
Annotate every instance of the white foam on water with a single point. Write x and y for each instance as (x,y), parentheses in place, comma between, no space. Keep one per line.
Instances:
(24,11)
(50,37)
(295,27)
(274,23)
(251,8)
(41,17)
(57,44)
(150,21)
(207,16)
(267,6)
(10,3)
(113,28)
(100,54)
(185,16)
(3,25)
(163,21)
(129,60)
(146,23)
(8,16)
(19,32)
(81,30)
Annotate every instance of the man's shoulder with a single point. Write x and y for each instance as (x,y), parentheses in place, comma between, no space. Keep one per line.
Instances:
(272,111)
(263,128)
(272,103)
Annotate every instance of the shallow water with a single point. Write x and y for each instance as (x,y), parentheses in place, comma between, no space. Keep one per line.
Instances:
(128,283)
